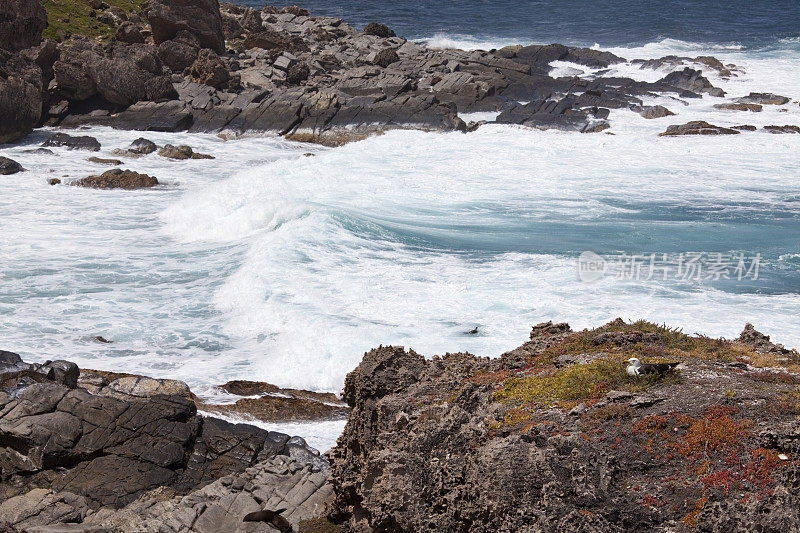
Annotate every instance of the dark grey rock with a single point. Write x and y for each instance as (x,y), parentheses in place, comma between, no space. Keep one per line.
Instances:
(21,24)
(9,166)
(83,142)
(200,18)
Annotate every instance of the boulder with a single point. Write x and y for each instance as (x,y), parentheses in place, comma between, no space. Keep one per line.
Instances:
(297,73)
(179,53)
(782,129)
(296,11)
(759,342)
(462,442)
(128,32)
(266,40)
(142,146)
(763,99)
(64,451)
(71,77)
(691,80)
(117,179)
(756,108)
(200,18)
(131,74)
(208,69)
(143,388)
(378,30)
(82,142)
(21,24)
(9,166)
(176,152)
(104,161)
(386,57)
(652,111)
(698,127)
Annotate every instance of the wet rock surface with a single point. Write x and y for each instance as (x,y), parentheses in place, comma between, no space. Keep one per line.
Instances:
(266,402)
(83,142)
(698,127)
(9,166)
(117,178)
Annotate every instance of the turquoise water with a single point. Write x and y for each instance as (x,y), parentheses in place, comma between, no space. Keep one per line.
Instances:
(264,264)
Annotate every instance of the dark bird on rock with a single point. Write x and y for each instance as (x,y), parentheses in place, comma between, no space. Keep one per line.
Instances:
(271,517)
(473,331)
(636,368)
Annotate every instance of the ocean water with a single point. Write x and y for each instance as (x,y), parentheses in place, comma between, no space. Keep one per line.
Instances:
(573,22)
(270,265)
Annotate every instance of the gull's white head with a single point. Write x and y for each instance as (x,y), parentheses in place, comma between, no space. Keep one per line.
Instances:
(634,361)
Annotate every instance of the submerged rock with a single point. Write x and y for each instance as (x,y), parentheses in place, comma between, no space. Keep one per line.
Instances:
(763,99)
(83,142)
(117,179)
(698,127)
(9,166)
(691,80)
(783,129)
(269,403)
(181,152)
(652,111)
(756,108)
(103,161)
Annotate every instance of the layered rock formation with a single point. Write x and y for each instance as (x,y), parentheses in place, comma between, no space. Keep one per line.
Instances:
(555,437)
(133,455)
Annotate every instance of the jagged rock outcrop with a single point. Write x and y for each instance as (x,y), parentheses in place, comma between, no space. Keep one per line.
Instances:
(117,178)
(555,437)
(200,18)
(129,74)
(21,24)
(319,79)
(763,99)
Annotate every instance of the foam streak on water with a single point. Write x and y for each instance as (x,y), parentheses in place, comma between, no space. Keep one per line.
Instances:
(266,265)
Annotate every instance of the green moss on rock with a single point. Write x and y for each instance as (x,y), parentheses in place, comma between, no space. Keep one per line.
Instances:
(76,17)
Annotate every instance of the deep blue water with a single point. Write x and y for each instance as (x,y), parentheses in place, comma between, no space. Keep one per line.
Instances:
(583,22)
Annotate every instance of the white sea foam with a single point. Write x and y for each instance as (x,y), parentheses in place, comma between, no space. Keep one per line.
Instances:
(319,435)
(266,265)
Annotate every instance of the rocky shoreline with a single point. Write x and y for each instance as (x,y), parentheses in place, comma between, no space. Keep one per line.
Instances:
(551,436)
(233,70)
